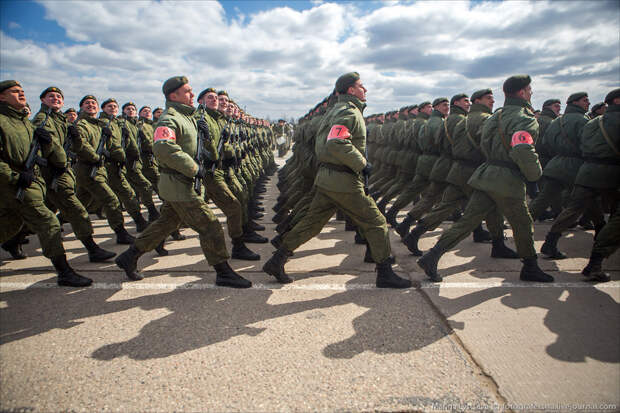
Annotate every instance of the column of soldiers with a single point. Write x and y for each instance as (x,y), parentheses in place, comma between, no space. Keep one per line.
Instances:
(84,161)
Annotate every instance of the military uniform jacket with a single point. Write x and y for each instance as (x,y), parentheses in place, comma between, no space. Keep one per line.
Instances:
(340,147)
(510,160)
(413,148)
(544,120)
(132,150)
(56,125)
(86,146)
(146,145)
(212,118)
(466,153)
(444,140)
(15,139)
(175,149)
(601,167)
(563,137)
(427,140)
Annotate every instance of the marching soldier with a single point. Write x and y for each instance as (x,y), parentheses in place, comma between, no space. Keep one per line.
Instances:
(17,140)
(145,140)
(175,148)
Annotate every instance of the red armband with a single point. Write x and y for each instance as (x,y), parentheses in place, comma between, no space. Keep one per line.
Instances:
(164,133)
(521,137)
(338,132)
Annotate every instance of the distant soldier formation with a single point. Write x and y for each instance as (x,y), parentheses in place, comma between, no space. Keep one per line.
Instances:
(458,159)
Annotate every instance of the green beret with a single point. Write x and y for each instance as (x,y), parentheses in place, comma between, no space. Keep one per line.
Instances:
(515,83)
(6,84)
(614,94)
(85,98)
(576,96)
(425,103)
(222,92)
(110,100)
(480,93)
(146,106)
(173,84)
(345,81)
(70,110)
(550,102)
(204,92)
(439,101)
(412,107)
(458,97)
(51,89)
(130,103)
(404,109)
(597,107)
(156,109)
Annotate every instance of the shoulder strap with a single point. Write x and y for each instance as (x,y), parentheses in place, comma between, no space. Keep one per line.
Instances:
(445,128)
(606,136)
(501,130)
(471,138)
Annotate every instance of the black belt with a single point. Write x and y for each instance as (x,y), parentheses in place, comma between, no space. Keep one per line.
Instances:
(505,164)
(338,168)
(176,173)
(604,161)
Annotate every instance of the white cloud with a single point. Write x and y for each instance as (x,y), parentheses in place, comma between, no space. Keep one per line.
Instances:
(282,61)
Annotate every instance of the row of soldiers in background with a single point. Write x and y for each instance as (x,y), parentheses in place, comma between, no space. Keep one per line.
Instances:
(86,161)
(282,133)
(427,153)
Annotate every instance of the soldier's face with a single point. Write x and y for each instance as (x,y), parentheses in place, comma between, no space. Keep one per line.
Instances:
(183,95)
(583,103)
(526,93)
(413,112)
(487,100)
(211,100)
(463,103)
(15,97)
(90,107)
(555,108)
(130,111)
(157,114)
(428,109)
(53,100)
(222,103)
(111,109)
(601,110)
(145,113)
(71,116)
(443,108)
(358,90)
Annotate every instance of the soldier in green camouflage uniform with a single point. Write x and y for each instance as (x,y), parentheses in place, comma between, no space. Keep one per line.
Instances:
(145,144)
(508,138)
(16,136)
(175,147)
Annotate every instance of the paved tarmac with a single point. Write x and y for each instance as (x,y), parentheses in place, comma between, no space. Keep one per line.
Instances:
(480,341)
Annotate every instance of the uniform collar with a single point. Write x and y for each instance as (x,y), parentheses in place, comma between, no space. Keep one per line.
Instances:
(548,112)
(457,110)
(570,108)
(436,114)
(353,99)
(9,110)
(181,108)
(479,107)
(512,101)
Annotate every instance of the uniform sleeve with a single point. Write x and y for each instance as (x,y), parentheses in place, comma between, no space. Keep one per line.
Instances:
(526,158)
(7,175)
(341,147)
(117,153)
(132,151)
(82,146)
(169,153)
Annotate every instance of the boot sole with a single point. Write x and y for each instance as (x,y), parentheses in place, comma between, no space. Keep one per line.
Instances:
(281,280)
(423,265)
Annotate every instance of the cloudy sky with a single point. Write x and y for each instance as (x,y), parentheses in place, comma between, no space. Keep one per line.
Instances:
(279,58)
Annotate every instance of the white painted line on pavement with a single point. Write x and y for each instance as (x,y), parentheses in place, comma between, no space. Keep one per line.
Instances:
(313,287)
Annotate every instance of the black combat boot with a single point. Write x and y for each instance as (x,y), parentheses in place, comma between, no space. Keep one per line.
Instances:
(411,240)
(280,216)
(550,247)
(428,262)
(95,252)
(227,277)
(253,226)
(340,216)
(481,235)
(275,265)
(532,272)
(403,227)
(177,236)
(66,275)
(124,237)
(160,249)
(359,239)
(276,241)
(284,225)
(390,217)
(153,213)
(500,250)
(255,215)
(375,195)
(598,228)
(456,215)
(586,223)
(141,223)
(241,252)
(594,270)
(387,278)
(128,261)
(251,237)
(14,247)
(349,225)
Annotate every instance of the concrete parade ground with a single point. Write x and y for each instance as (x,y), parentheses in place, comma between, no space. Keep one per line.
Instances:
(480,341)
